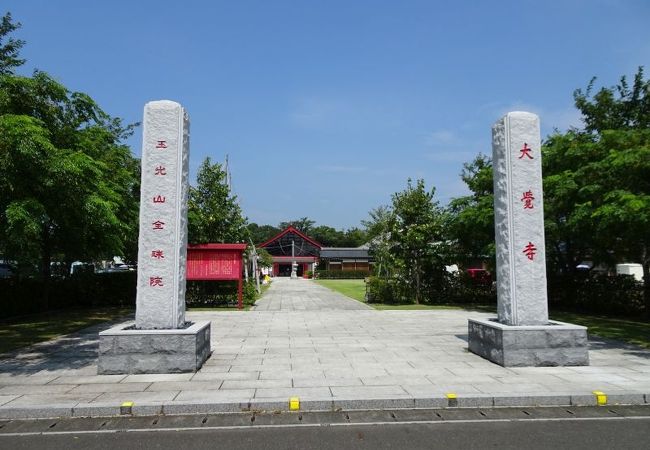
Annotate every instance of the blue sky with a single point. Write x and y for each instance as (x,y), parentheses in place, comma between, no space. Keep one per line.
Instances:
(327,107)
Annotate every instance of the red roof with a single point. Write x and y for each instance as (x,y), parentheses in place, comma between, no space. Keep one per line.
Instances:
(291,229)
(240,247)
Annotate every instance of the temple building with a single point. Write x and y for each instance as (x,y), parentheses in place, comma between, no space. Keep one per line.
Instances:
(289,246)
(346,258)
(292,245)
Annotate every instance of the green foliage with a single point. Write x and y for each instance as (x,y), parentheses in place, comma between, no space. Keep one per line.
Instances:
(619,107)
(455,290)
(417,241)
(264,258)
(341,274)
(409,243)
(214,216)
(70,187)
(9,47)
(471,224)
(211,294)
(261,233)
(304,224)
(617,296)
(596,187)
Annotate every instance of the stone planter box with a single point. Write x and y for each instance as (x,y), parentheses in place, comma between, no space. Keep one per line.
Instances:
(555,344)
(125,350)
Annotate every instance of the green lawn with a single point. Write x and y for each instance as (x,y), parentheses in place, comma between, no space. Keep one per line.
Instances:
(626,330)
(355,289)
(631,331)
(28,330)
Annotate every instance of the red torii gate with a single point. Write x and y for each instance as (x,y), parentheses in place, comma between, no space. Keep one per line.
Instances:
(217,262)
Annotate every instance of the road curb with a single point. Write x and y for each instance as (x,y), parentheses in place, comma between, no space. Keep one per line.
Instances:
(317,405)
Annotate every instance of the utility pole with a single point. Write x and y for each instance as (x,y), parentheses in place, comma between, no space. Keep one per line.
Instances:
(255,268)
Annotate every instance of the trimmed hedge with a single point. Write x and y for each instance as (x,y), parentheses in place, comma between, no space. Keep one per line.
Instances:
(459,290)
(612,295)
(27,296)
(209,294)
(341,274)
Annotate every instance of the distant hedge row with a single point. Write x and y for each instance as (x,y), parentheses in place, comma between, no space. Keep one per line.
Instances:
(610,295)
(342,274)
(27,295)
(613,295)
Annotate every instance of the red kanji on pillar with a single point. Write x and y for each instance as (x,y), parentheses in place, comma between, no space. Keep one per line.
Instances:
(528,198)
(158,225)
(155,281)
(158,254)
(159,199)
(160,170)
(530,250)
(525,152)
(161,144)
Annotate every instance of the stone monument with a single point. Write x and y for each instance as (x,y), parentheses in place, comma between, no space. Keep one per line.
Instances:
(160,340)
(522,335)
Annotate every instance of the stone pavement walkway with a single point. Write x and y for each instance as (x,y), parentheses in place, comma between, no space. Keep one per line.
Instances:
(331,359)
(286,294)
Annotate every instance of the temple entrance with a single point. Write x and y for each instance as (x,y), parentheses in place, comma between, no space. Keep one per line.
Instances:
(284,270)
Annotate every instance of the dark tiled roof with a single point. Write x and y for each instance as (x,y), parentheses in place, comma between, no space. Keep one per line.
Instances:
(341,252)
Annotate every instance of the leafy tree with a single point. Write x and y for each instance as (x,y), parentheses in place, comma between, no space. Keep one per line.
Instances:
(417,240)
(303,224)
(378,233)
(261,233)
(213,212)
(69,185)
(619,107)
(472,217)
(354,237)
(596,185)
(264,258)
(9,47)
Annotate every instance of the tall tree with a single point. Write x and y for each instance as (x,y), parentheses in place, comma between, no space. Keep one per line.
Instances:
(69,185)
(214,214)
(9,47)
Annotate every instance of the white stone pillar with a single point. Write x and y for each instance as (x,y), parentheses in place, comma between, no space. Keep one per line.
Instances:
(519,220)
(162,247)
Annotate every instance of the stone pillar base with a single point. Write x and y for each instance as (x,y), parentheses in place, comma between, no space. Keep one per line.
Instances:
(125,350)
(555,344)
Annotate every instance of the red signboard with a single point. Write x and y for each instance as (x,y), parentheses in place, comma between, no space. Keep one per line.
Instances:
(216,262)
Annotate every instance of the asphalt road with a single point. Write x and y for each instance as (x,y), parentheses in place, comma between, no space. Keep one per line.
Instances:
(573,434)
(500,428)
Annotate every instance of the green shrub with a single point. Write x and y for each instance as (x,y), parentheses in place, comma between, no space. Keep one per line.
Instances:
(382,290)
(86,290)
(342,274)
(210,294)
(613,295)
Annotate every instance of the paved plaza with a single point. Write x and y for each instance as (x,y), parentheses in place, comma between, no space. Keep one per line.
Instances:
(297,344)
